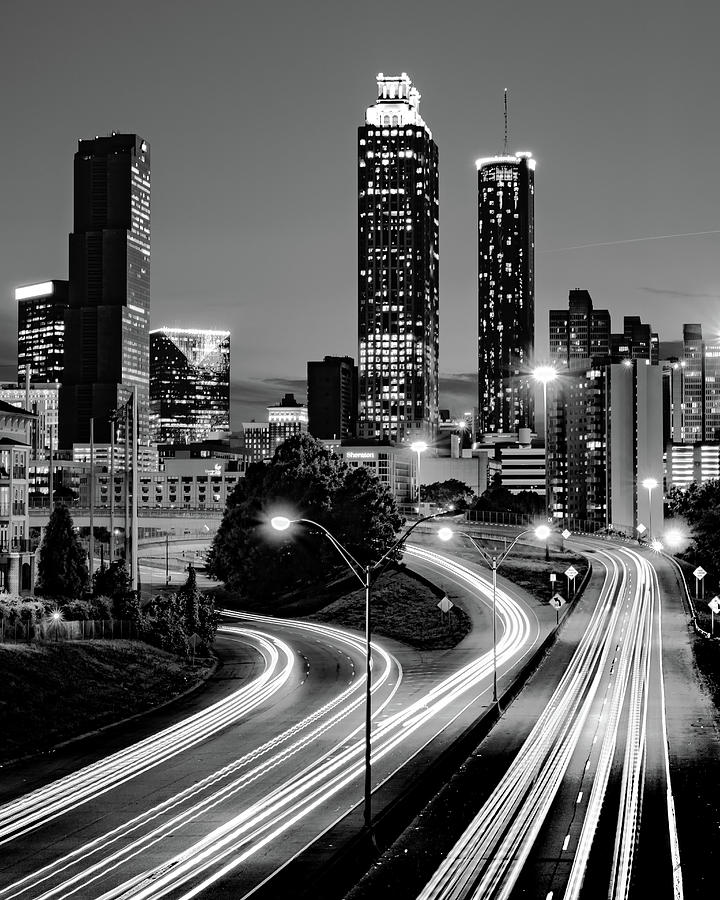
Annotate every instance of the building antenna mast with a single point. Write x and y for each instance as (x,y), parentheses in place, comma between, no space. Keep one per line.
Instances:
(505,146)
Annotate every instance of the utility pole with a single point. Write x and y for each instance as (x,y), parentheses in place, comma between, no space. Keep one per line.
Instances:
(91,541)
(134,552)
(127,487)
(112,487)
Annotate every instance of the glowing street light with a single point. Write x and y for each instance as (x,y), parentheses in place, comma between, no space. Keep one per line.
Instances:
(542,532)
(650,484)
(418,447)
(546,374)
(363,573)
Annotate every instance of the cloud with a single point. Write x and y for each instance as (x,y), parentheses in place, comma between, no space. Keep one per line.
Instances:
(685,295)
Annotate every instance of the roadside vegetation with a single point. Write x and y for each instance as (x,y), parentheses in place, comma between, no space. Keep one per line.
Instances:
(52,692)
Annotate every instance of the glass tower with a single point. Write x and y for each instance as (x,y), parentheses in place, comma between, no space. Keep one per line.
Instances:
(398,256)
(506,290)
(189,384)
(41,330)
(107,328)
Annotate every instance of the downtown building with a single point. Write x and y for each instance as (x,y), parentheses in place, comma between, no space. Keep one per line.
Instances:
(578,332)
(41,331)
(398,261)
(605,436)
(107,324)
(332,397)
(189,384)
(506,291)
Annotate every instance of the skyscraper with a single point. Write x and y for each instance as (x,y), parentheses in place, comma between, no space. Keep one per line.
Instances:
(106,337)
(41,330)
(332,397)
(506,290)
(286,418)
(189,384)
(638,341)
(578,332)
(398,247)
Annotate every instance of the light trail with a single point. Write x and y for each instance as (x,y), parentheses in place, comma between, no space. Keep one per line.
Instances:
(616,652)
(282,805)
(21,815)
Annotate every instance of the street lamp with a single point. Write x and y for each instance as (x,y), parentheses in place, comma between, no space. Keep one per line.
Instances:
(650,484)
(363,574)
(419,447)
(542,532)
(546,374)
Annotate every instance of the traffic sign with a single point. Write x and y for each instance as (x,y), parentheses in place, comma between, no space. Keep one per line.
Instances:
(446,604)
(699,573)
(641,529)
(566,534)
(572,572)
(553,577)
(714,604)
(557,600)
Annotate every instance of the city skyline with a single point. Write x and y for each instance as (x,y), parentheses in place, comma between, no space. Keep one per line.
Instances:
(611,143)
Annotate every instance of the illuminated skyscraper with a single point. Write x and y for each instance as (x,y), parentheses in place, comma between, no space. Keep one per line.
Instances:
(107,326)
(41,330)
(189,384)
(578,332)
(398,241)
(506,290)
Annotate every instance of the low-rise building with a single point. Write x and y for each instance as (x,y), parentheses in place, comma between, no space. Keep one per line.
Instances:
(17,558)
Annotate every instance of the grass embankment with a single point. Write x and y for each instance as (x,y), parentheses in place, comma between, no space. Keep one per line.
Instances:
(403,608)
(52,692)
(528,569)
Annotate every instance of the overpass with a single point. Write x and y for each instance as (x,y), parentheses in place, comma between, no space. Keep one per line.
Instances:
(178,523)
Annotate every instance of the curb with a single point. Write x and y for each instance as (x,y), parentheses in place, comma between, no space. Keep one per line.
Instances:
(103,728)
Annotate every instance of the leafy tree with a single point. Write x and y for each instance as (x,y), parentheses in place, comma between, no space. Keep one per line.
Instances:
(112,581)
(189,598)
(445,493)
(699,506)
(164,624)
(304,480)
(62,570)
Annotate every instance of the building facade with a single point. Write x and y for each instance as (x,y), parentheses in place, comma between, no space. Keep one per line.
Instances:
(41,331)
(43,401)
(107,326)
(332,397)
(17,557)
(256,440)
(578,332)
(189,384)
(285,419)
(506,291)
(398,265)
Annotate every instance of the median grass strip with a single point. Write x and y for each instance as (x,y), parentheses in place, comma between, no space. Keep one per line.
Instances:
(52,692)
(403,608)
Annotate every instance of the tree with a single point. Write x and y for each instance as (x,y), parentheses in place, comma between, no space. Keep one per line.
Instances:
(302,480)
(445,493)
(699,506)
(112,581)
(62,570)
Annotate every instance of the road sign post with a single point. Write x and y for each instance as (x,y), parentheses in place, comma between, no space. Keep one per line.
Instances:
(699,574)
(571,572)
(557,601)
(714,605)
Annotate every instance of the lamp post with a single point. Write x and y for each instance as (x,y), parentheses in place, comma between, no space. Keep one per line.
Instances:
(541,532)
(419,447)
(650,484)
(546,374)
(363,573)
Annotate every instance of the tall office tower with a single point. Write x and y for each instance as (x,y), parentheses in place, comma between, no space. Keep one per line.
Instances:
(189,384)
(398,247)
(605,425)
(332,397)
(285,419)
(711,391)
(41,330)
(693,427)
(106,336)
(578,332)
(638,341)
(506,291)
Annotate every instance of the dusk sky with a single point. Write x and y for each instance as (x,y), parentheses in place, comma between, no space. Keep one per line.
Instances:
(252,109)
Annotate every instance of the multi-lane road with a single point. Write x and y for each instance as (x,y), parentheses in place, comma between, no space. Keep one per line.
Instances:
(217,802)
(587,806)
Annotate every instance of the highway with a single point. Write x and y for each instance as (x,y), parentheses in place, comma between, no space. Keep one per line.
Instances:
(218,802)
(586,808)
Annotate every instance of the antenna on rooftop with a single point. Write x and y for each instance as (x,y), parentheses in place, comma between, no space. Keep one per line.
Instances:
(505,146)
